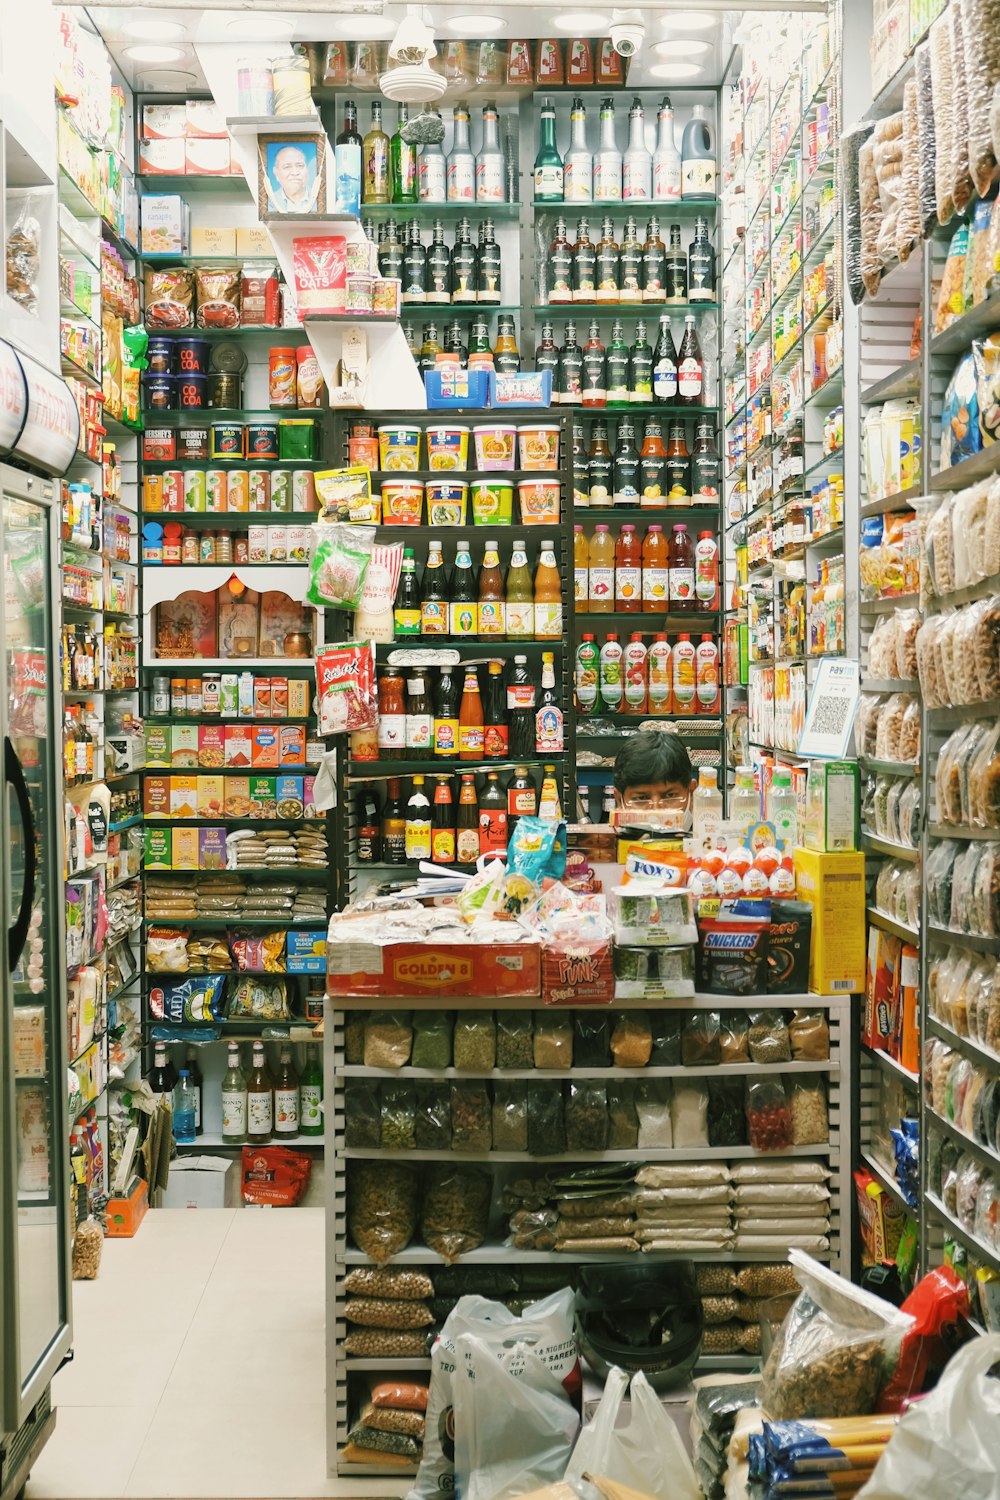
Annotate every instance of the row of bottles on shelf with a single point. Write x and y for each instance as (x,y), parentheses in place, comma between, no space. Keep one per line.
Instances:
(636,175)
(664,677)
(648,575)
(93,525)
(258,1104)
(512,717)
(634,271)
(94,661)
(518,64)
(83,744)
(467,272)
(645,475)
(492,604)
(449,830)
(380,169)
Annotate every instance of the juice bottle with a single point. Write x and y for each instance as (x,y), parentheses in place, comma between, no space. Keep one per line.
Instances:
(658,668)
(706,806)
(707,676)
(587,673)
(684,677)
(628,572)
(581,568)
(817,614)
(548,596)
(610,674)
(602,572)
(634,664)
(706,572)
(681,570)
(655,571)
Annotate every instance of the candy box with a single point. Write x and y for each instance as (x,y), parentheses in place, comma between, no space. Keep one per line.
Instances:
(305,952)
(581,976)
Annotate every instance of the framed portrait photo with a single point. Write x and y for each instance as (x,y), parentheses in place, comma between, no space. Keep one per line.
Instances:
(291,174)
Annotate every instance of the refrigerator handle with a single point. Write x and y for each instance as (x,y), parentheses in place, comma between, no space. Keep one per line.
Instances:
(17,935)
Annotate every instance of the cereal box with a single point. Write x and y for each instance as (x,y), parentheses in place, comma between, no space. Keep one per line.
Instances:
(239,745)
(157,745)
(158,849)
(292,745)
(265,746)
(211,796)
(289,793)
(299,694)
(183,797)
(156,796)
(263,797)
(305,952)
(185,848)
(237,796)
(212,848)
(184,745)
(211,746)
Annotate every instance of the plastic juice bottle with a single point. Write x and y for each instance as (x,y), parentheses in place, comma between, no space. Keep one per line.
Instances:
(782,807)
(184,1110)
(707,675)
(587,673)
(581,568)
(706,572)
(817,614)
(684,677)
(658,665)
(706,805)
(634,665)
(681,570)
(628,572)
(655,571)
(520,613)
(610,674)
(744,804)
(548,596)
(602,572)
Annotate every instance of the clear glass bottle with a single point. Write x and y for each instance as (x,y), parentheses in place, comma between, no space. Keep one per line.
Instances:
(234,1099)
(376,186)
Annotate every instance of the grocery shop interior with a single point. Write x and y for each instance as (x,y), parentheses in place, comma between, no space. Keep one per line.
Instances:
(500,696)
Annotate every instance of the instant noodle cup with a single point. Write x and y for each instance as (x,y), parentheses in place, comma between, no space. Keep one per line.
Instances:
(447,448)
(539,446)
(446,502)
(402,503)
(399,448)
(539,501)
(495,446)
(492,502)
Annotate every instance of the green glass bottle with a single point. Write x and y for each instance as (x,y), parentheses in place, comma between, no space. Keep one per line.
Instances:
(617,364)
(548,162)
(311,1096)
(402,163)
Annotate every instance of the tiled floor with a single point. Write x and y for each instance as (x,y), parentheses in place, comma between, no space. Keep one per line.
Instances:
(199,1366)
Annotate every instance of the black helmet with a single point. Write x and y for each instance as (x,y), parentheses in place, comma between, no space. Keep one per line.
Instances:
(640,1315)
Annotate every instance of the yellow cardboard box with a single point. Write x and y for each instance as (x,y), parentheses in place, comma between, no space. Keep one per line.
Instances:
(213,241)
(834,886)
(255,241)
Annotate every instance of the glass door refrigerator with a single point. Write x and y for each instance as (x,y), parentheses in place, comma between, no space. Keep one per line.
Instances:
(35,1305)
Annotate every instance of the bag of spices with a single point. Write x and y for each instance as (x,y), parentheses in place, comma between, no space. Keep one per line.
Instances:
(553,1041)
(623,1122)
(362,1114)
(381,1207)
(768,1037)
(399,1108)
(431,1040)
(432,1125)
(510,1116)
(700,1043)
(734,1046)
(632,1039)
(546,1126)
(666,1029)
(471,1117)
(591,1038)
(388,1039)
(514,1040)
(727,1124)
(587,1116)
(456,1209)
(474,1044)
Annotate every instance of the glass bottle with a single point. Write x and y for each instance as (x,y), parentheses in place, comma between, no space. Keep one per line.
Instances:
(652,465)
(548,595)
(432,174)
(706,464)
(654,264)
(690,367)
(414,288)
(578,168)
(581,473)
(677,471)
(197,1085)
(491,168)
(286,1096)
(494,714)
(617,364)
(417,826)
(666,157)
(454,342)
(490,611)
(701,265)
(471,735)
(438,266)
(311,1096)
(630,264)
(446,707)
(626,465)
(347,161)
(584,278)
(600,466)
(676,276)
(506,359)
(234,1099)
(608,161)
(521,695)
(391,716)
(637,164)
(260,1099)
(461,162)
(391,251)
(547,356)
(479,338)
(570,374)
(434,593)
(393,824)
(559,268)
(369,844)
(419,718)
(163,1077)
(406,610)
(488,268)
(640,378)
(464,265)
(430,348)
(607,274)
(628,571)
(594,376)
(665,365)
(462,609)
(492,817)
(467,822)
(548,173)
(402,163)
(443,823)
(522,801)
(548,711)
(375,183)
(520,600)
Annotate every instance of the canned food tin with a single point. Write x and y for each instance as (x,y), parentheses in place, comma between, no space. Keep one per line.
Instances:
(227,440)
(159,392)
(262,441)
(173,490)
(160,356)
(303,490)
(194,489)
(257,544)
(159,445)
(277,544)
(282,373)
(259,489)
(193,695)
(215,489)
(161,695)
(192,392)
(192,444)
(281,489)
(211,693)
(225,391)
(241,551)
(152,544)
(152,492)
(237,490)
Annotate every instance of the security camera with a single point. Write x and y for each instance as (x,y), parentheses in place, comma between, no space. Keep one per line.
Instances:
(627,32)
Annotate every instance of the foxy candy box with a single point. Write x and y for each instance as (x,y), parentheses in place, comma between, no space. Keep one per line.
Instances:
(432,954)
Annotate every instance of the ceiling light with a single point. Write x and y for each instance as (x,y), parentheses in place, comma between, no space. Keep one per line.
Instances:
(675,71)
(170,80)
(366,28)
(266,28)
(477,25)
(583,22)
(681,47)
(689,20)
(154,31)
(154,54)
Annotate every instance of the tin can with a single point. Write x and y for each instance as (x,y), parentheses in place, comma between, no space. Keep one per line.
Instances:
(161,695)
(281,489)
(211,693)
(227,440)
(206,547)
(152,492)
(225,391)
(262,441)
(241,548)
(160,356)
(237,490)
(158,392)
(178,695)
(192,355)
(259,482)
(190,550)
(303,490)
(173,490)
(257,544)
(192,445)
(277,544)
(282,376)
(194,489)
(192,392)
(159,445)
(215,489)
(193,695)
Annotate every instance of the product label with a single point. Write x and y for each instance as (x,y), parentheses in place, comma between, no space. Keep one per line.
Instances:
(586,684)
(520,695)
(461,180)
(580,584)
(419,731)
(683,674)
(707,673)
(628,584)
(602,583)
(698,177)
(655,585)
(666,180)
(611,680)
(608,176)
(234,1112)
(520,618)
(443,846)
(689,378)
(705,566)
(548,621)
(433,178)
(578,176)
(492,830)
(260,1112)
(311,1099)
(418,840)
(392,732)
(490,180)
(462,618)
(549,730)
(445,736)
(681,585)
(495,741)
(548,182)
(521,802)
(636,178)
(434,617)
(286,1111)
(468,845)
(407,621)
(471,741)
(491,617)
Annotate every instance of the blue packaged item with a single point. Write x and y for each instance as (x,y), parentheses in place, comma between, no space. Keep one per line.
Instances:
(453,387)
(906,1145)
(191,1000)
(527,388)
(305,952)
(538,849)
(961,436)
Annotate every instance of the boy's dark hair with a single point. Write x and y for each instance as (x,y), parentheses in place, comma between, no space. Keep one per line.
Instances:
(650,757)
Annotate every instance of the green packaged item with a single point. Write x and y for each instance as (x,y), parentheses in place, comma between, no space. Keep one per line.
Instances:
(338,564)
(297,440)
(431,1040)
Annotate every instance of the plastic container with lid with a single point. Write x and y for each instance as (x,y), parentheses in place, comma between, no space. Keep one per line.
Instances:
(282,377)
(539,446)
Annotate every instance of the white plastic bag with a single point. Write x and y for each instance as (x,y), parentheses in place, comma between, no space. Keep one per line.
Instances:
(514,1425)
(647,1455)
(949,1442)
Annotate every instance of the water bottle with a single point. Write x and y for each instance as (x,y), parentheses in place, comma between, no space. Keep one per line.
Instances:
(184,1109)
(782,808)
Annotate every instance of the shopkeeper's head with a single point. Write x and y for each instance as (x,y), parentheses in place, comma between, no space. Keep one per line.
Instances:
(653,773)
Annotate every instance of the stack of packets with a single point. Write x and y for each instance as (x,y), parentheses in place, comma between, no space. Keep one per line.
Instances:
(819,1458)
(721,1403)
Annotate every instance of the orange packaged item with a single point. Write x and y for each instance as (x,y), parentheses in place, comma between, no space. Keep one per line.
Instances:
(609,65)
(657,860)
(266,750)
(400,1395)
(519,62)
(906,1037)
(276,1176)
(580,62)
(549,61)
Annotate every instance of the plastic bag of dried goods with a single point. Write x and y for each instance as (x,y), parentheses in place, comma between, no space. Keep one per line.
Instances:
(908,216)
(943,96)
(852,143)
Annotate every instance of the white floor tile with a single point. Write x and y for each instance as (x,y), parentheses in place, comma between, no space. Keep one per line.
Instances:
(92,1452)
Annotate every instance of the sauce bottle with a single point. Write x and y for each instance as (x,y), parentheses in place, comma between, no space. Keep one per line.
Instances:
(628,572)
(658,668)
(391,717)
(467,822)
(581,569)
(521,702)
(463,607)
(655,571)
(707,676)
(417,827)
(491,595)
(548,596)
(548,802)
(522,800)
(520,613)
(634,672)
(684,677)
(494,714)
(698,166)
(393,825)
(446,715)
(443,823)
(492,817)
(434,594)
(419,718)
(681,570)
(471,734)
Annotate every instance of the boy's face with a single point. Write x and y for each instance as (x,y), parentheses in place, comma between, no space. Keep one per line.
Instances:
(660,796)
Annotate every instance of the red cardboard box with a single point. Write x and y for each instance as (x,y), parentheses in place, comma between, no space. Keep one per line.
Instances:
(497,970)
(320,273)
(581,976)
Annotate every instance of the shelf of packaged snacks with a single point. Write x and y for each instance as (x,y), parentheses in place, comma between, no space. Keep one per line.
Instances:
(469,532)
(889,99)
(158,465)
(719,1070)
(650,624)
(647,1156)
(191,417)
(152,820)
(665,208)
(975,1051)
(985,1154)
(977,1247)
(889,605)
(626,721)
(225,185)
(985,589)
(902,930)
(895,851)
(890,1065)
(904,381)
(955,714)
(984,317)
(961,831)
(974,941)
(471,475)
(309,721)
(123,880)
(960,475)
(352,1364)
(884,1177)
(596,311)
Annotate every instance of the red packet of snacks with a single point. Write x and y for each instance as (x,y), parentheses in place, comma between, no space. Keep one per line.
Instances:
(346,688)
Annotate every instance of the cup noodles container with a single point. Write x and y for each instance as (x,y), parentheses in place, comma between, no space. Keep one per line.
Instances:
(402,503)
(399,449)
(320,271)
(447,448)
(495,447)
(446,502)
(539,500)
(492,502)
(539,447)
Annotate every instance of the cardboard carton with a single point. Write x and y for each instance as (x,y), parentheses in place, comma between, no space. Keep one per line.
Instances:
(834,886)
